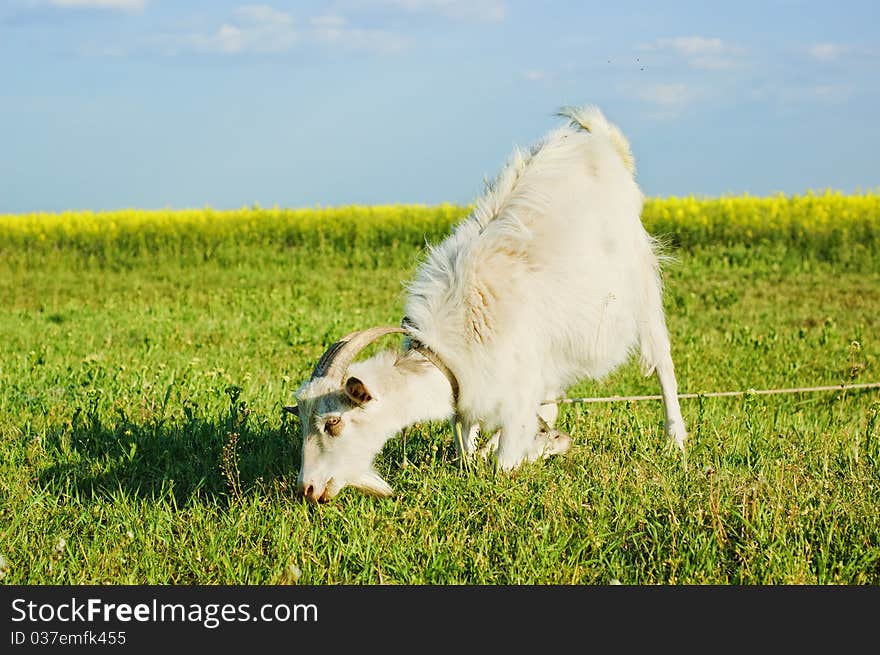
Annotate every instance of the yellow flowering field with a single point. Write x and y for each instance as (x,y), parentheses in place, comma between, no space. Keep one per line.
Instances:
(828,224)
(820,222)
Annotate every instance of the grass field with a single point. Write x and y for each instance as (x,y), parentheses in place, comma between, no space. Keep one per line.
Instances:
(142,437)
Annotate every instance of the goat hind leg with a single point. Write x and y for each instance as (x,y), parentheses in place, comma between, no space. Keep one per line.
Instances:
(657,355)
(675,428)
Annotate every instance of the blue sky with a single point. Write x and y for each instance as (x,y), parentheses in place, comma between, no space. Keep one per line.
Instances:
(109,104)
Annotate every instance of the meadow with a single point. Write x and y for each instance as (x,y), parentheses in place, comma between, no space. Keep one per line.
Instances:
(145,357)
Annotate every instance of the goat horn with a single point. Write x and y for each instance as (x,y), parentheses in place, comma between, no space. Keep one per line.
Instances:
(335,361)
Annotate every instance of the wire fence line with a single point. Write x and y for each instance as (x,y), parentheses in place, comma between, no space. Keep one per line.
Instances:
(717,394)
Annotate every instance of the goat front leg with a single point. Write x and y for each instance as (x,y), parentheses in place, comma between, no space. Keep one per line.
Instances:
(516,441)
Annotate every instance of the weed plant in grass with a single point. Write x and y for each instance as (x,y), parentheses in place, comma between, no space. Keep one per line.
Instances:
(142,438)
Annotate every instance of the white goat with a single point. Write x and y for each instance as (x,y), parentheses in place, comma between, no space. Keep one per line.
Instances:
(552,278)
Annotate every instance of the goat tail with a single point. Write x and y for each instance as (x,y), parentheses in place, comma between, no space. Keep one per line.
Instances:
(591,119)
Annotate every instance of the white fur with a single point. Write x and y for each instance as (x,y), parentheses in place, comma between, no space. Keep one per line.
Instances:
(551,279)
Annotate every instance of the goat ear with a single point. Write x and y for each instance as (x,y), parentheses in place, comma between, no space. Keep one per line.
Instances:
(357,391)
(292,409)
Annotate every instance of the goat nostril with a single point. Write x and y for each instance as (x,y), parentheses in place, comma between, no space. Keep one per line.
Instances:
(309,491)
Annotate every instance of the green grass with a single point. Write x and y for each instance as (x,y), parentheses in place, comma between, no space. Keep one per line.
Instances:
(142,438)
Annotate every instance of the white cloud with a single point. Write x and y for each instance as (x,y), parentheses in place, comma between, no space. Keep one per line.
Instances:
(252,29)
(487,11)
(828,93)
(334,31)
(538,76)
(793,96)
(826,51)
(329,21)
(668,100)
(693,45)
(666,95)
(117,5)
(260,29)
(701,52)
